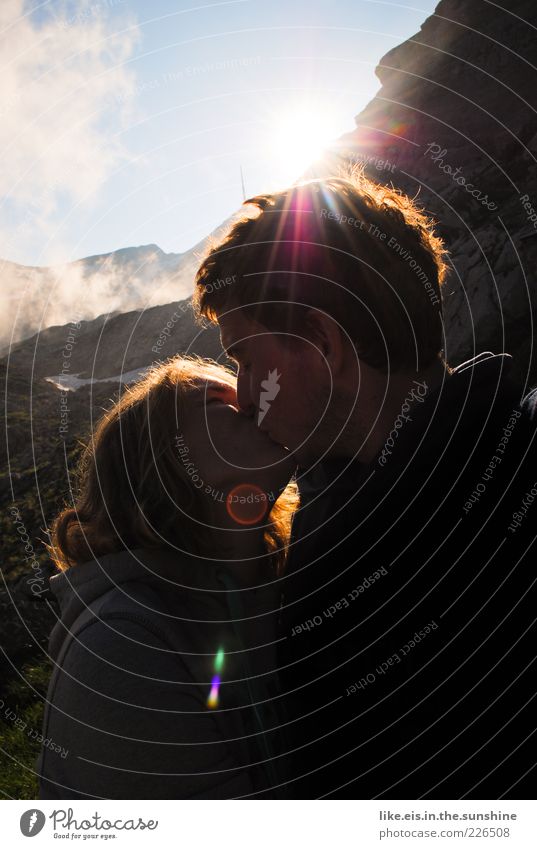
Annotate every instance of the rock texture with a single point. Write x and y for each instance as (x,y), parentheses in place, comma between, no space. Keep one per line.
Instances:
(115,344)
(458,103)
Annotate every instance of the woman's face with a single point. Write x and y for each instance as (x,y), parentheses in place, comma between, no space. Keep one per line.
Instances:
(224,452)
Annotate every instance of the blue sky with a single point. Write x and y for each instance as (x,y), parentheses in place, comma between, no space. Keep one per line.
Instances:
(170,99)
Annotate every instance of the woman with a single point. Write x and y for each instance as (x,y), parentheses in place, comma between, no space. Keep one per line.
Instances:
(164,683)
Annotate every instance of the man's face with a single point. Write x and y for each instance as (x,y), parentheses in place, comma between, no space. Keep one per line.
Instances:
(283,385)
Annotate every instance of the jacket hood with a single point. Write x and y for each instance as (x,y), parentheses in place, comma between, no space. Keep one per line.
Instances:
(79,586)
(478,384)
(202,590)
(474,387)
(486,374)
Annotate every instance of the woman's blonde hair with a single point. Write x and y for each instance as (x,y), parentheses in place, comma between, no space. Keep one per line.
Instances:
(133,488)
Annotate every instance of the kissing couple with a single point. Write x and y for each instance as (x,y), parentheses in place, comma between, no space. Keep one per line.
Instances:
(309,575)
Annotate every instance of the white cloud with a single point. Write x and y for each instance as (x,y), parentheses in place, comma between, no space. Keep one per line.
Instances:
(63,79)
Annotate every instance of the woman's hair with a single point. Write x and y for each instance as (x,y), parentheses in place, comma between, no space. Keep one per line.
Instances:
(133,488)
(361,252)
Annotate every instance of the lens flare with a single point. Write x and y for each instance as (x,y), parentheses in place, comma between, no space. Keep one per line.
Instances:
(212,699)
(219,661)
(247,504)
(214,694)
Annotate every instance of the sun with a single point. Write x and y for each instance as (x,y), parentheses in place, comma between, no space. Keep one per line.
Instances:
(298,138)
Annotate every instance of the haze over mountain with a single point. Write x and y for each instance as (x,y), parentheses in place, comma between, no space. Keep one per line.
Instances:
(453,123)
(129,278)
(113,344)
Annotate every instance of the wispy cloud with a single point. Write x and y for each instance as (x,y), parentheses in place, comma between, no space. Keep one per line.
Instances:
(33,299)
(62,78)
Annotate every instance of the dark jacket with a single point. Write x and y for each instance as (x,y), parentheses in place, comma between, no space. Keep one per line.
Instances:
(135,656)
(408,630)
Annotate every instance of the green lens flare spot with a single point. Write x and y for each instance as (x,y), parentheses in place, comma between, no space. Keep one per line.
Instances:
(219,661)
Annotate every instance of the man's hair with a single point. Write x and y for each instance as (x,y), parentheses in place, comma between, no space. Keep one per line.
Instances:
(361,252)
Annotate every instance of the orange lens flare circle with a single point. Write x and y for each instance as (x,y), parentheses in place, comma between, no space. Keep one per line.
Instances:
(246,504)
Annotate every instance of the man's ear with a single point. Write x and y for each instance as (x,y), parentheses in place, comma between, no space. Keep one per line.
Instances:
(327,336)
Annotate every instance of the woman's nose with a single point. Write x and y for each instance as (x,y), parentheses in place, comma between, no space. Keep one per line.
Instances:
(244,395)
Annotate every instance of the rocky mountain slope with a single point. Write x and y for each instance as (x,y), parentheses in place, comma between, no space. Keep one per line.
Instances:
(455,123)
(127,279)
(110,345)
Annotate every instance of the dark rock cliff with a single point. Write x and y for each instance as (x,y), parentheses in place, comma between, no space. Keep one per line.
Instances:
(455,123)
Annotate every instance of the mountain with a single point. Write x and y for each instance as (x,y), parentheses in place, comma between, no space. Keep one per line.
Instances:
(113,344)
(455,124)
(126,279)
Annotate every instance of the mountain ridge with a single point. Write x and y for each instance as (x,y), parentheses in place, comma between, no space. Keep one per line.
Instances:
(128,278)
(115,343)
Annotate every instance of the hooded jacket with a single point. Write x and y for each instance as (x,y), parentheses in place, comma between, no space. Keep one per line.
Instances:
(408,632)
(136,652)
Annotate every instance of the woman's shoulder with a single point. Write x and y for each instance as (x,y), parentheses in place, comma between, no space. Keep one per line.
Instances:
(130,709)
(118,652)
(155,588)
(134,669)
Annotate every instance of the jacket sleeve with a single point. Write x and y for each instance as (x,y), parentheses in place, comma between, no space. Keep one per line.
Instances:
(126,721)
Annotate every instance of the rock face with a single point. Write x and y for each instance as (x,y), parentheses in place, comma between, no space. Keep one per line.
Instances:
(111,345)
(455,123)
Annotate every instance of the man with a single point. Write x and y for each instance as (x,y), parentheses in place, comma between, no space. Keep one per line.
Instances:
(408,633)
